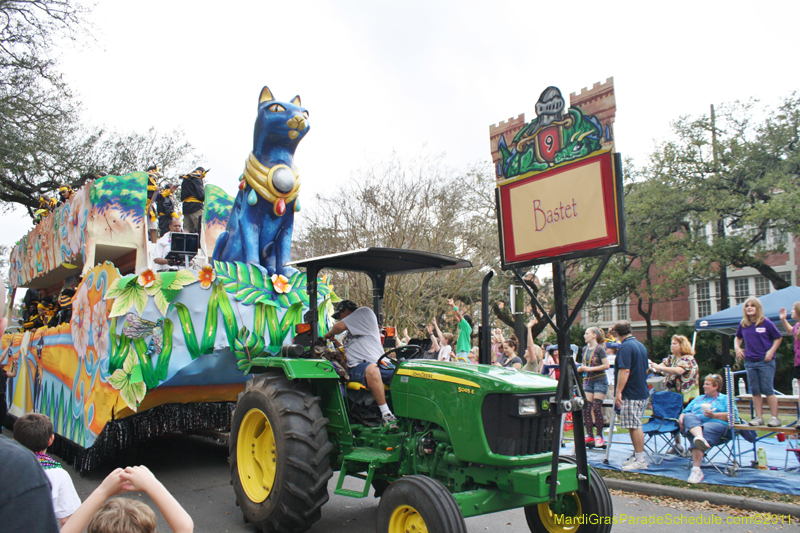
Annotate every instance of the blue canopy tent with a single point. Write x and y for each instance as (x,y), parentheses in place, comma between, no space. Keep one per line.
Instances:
(728,320)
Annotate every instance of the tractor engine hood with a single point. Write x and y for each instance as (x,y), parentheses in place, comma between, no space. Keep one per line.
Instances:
(479,408)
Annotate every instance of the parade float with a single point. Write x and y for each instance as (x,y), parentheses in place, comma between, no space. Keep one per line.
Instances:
(233,344)
(147,352)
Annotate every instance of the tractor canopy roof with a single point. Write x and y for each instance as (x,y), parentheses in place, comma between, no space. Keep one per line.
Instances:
(384,261)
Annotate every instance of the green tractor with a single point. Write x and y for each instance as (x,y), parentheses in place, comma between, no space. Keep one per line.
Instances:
(472,439)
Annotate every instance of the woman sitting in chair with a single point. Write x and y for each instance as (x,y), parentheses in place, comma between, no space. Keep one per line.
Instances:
(705,421)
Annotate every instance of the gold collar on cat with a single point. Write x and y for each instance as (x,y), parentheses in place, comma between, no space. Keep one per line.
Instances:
(259,177)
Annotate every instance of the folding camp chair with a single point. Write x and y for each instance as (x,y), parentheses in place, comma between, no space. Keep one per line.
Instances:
(662,426)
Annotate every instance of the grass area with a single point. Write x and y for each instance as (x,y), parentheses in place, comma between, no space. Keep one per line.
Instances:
(721,489)
(746,492)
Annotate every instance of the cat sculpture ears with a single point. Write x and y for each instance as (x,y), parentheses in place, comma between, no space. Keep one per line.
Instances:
(266,96)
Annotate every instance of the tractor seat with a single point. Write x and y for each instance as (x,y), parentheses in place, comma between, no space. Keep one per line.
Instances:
(357,385)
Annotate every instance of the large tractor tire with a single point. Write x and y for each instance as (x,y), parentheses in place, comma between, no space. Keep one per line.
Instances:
(561,516)
(279,455)
(419,504)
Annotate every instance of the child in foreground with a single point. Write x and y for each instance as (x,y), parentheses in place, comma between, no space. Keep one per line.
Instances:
(97,515)
(35,432)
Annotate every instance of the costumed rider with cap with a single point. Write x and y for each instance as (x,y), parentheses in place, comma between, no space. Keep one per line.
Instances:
(164,245)
(153,175)
(193,194)
(362,347)
(165,203)
(65,192)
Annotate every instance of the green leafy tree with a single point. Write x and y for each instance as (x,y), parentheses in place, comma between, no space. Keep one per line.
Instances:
(740,174)
(43,142)
(661,257)
(413,203)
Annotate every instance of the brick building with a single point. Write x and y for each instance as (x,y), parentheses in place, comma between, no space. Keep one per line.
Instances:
(701,298)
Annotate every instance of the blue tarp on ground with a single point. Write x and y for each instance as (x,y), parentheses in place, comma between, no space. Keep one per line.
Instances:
(785,482)
(727,321)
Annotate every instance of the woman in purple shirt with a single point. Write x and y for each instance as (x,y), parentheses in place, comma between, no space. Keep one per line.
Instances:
(761,341)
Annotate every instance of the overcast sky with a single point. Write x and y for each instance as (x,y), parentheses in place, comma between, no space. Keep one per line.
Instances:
(378,76)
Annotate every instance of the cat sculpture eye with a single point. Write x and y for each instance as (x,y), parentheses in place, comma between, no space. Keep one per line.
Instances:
(277,108)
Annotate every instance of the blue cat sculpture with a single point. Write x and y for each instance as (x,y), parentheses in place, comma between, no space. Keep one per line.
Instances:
(259,229)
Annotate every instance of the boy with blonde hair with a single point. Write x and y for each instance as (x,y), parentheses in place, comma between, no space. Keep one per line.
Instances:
(123,515)
(35,432)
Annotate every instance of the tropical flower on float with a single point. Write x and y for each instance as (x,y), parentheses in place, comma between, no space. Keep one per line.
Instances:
(147,278)
(101,335)
(81,321)
(128,381)
(79,210)
(206,277)
(280,283)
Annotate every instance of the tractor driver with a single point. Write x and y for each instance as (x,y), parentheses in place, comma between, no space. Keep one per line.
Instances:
(362,347)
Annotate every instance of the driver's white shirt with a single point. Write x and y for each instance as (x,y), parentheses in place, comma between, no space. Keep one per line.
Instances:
(362,340)
(163,246)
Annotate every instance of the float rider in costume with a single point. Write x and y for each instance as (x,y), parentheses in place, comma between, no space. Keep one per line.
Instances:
(193,195)
(165,205)
(153,175)
(554,137)
(65,192)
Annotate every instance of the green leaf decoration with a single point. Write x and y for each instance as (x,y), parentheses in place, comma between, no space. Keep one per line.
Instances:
(139,297)
(161,302)
(136,374)
(188,330)
(228,317)
(182,279)
(210,330)
(132,295)
(154,289)
(167,277)
(166,351)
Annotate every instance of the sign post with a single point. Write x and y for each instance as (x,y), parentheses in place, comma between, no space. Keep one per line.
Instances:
(559,197)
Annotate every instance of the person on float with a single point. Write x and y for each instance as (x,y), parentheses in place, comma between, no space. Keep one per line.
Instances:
(193,195)
(65,192)
(795,330)
(704,422)
(166,208)
(164,245)
(153,175)
(761,340)
(362,348)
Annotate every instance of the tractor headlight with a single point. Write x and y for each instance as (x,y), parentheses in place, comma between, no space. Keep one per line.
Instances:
(528,406)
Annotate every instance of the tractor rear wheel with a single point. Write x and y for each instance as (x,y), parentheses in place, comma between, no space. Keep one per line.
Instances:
(279,455)
(419,504)
(562,516)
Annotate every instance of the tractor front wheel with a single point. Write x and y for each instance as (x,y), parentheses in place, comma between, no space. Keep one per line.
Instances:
(279,455)
(574,512)
(419,504)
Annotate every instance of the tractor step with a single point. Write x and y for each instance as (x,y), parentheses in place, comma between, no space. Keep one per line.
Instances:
(350,493)
(370,455)
(357,461)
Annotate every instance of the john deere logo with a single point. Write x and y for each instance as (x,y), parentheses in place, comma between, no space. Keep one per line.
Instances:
(545,405)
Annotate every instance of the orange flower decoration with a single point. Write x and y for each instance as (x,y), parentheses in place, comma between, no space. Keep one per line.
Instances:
(280,283)
(206,276)
(147,278)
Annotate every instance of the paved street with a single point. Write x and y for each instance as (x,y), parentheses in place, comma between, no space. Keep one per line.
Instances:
(196,471)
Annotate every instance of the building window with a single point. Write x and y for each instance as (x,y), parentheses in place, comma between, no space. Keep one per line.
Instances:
(606,313)
(786,276)
(703,299)
(622,310)
(718,292)
(762,286)
(741,289)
